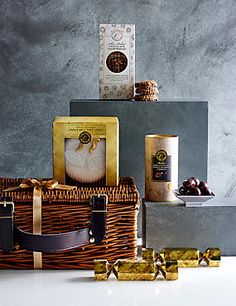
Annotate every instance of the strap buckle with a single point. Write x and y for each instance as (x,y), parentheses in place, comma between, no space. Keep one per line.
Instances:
(7,201)
(102,200)
(98,211)
(99,195)
(6,223)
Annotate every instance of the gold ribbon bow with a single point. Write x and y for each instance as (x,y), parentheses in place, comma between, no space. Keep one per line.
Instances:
(95,141)
(38,186)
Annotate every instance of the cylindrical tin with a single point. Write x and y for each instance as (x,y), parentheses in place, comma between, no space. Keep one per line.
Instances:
(161,167)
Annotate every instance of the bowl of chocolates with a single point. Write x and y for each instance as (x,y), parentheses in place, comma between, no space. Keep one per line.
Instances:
(194,192)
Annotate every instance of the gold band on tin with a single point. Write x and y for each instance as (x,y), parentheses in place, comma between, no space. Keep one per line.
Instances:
(160,136)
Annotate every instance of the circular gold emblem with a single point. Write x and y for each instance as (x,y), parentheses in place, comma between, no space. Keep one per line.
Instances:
(161,155)
(85,137)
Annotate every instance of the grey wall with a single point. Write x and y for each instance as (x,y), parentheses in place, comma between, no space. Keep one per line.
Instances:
(49,54)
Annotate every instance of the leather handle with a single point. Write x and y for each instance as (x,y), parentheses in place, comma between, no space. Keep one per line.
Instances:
(53,242)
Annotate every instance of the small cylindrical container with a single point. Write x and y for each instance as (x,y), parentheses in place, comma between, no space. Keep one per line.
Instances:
(161,167)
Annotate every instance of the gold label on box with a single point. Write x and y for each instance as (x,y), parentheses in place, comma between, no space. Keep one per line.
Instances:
(77,130)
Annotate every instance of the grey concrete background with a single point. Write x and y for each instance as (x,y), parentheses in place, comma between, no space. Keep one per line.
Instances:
(49,54)
(137,119)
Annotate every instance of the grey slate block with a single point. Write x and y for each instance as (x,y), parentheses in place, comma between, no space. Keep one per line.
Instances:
(174,225)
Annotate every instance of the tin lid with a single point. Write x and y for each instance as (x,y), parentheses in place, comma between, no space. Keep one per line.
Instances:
(161,136)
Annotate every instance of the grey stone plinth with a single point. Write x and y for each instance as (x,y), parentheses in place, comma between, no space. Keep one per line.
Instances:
(187,119)
(174,225)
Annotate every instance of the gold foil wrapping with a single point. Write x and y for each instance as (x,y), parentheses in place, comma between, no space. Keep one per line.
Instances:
(185,257)
(212,257)
(102,268)
(152,264)
(135,270)
(127,269)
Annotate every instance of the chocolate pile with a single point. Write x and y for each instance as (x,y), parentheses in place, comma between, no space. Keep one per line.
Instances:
(193,186)
(146,91)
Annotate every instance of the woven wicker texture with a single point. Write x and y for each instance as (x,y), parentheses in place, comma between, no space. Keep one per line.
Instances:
(64,211)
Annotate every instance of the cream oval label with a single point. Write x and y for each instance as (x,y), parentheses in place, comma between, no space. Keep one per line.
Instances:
(117,35)
(85,137)
(161,166)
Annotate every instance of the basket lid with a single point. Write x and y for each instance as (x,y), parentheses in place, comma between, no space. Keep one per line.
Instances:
(126,191)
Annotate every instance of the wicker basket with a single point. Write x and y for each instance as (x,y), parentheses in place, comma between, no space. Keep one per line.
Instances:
(66,211)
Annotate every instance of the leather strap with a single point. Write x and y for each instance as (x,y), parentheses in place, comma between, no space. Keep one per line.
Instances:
(6,224)
(98,216)
(52,243)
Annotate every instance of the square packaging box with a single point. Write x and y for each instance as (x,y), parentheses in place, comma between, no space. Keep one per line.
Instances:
(86,151)
(117,61)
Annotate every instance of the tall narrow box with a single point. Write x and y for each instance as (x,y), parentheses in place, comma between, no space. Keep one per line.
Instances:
(117,61)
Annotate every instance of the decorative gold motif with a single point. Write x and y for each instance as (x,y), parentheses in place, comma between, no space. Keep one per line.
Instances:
(93,145)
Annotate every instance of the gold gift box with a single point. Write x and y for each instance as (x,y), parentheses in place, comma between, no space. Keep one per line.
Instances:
(90,131)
